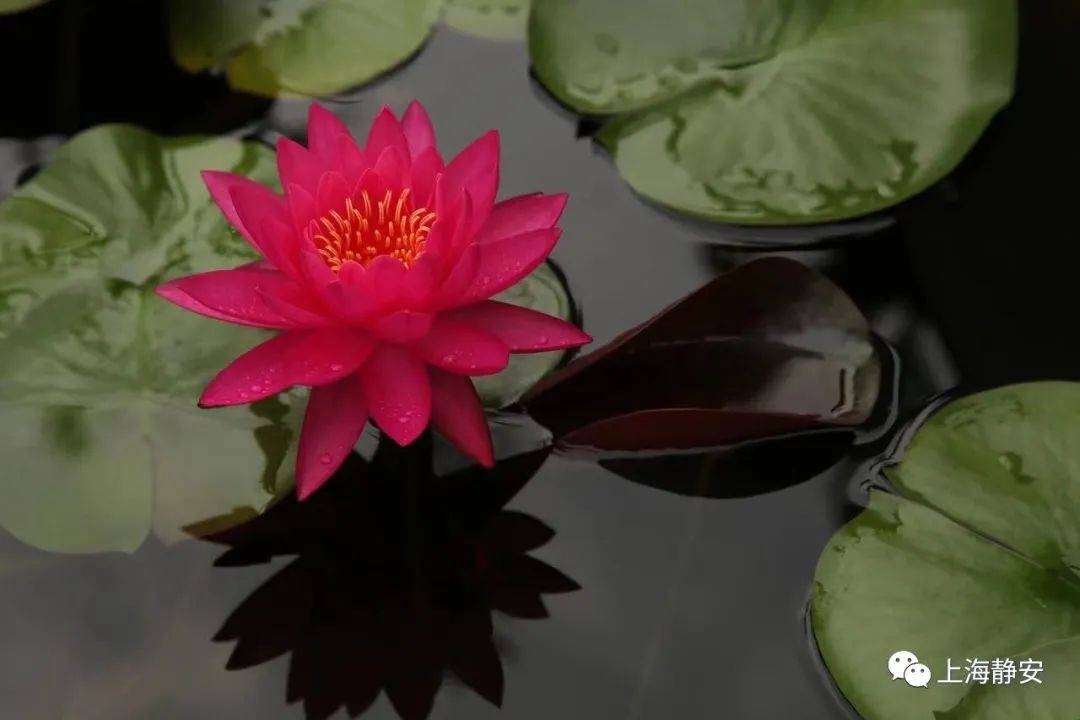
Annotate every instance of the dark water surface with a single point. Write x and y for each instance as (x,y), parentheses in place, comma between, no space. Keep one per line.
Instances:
(688,607)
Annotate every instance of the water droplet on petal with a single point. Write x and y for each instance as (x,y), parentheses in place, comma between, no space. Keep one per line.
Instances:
(256,388)
(336,367)
(325,459)
(543,339)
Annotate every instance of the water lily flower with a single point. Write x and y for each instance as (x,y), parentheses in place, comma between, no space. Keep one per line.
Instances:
(379,262)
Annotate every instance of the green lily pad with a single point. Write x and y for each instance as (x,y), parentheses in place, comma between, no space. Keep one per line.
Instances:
(100,435)
(974,556)
(504,20)
(14,6)
(298,47)
(543,291)
(783,111)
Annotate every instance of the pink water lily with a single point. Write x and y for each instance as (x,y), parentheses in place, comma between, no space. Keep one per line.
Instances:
(378,265)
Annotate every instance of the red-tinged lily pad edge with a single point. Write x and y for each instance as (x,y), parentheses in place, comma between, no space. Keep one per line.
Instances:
(769,348)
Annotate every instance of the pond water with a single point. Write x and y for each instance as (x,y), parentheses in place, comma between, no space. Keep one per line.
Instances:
(687,607)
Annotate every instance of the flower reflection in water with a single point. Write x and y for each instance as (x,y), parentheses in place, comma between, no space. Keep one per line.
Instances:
(395,580)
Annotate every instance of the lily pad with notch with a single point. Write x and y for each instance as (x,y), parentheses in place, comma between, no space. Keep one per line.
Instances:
(969,548)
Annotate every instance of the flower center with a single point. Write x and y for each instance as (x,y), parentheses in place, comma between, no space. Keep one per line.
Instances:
(366,229)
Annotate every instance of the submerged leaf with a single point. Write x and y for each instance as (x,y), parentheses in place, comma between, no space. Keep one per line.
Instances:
(977,556)
(99,431)
(769,348)
(784,111)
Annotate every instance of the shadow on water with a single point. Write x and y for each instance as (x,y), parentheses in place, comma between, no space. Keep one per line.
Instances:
(396,577)
(71,64)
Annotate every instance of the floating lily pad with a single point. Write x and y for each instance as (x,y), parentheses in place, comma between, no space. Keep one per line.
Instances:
(489,19)
(976,555)
(544,291)
(769,348)
(100,435)
(300,47)
(784,111)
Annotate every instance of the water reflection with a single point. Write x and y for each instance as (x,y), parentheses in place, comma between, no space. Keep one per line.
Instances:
(396,575)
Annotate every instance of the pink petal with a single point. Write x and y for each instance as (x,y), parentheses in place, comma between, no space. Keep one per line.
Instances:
(384,280)
(463,349)
(504,262)
(426,168)
(349,298)
(351,159)
(419,281)
(462,236)
(220,185)
(385,132)
(456,412)
(403,327)
(522,214)
(302,207)
(231,295)
(447,217)
(336,415)
(318,274)
(398,392)
(296,165)
(278,243)
(173,293)
(418,130)
(461,278)
(351,272)
(254,204)
(521,329)
(325,130)
(476,169)
(298,357)
(295,305)
(450,233)
(393,166)
(333,189)
(372,183)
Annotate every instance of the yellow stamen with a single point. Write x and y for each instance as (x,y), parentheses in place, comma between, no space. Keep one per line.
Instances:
(390,226)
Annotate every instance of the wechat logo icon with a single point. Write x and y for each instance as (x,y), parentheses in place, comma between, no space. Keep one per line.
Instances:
(904,665)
